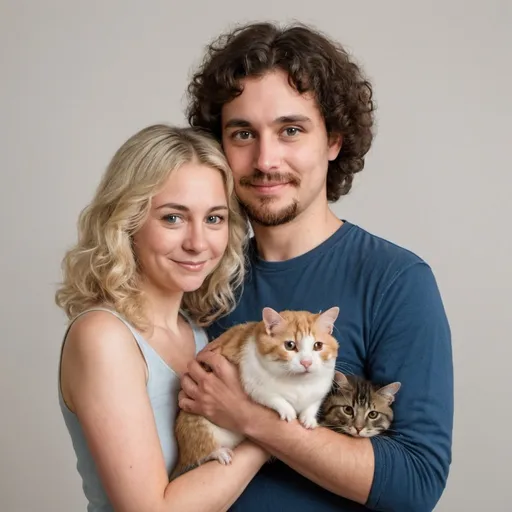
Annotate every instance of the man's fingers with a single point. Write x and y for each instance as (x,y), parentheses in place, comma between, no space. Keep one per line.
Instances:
(188,387)
(196,371)
(215,361)
(187,405)
(211,346)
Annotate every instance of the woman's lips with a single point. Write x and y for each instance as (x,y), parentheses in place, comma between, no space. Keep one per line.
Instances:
(192,266)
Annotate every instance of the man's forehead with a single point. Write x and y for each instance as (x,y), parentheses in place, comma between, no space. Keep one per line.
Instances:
(268,101)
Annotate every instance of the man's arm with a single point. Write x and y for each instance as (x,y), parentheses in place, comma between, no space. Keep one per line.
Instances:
(410,341)
(344,465)
(406,470)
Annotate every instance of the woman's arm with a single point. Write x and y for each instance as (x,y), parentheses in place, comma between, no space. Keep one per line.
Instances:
(104,382)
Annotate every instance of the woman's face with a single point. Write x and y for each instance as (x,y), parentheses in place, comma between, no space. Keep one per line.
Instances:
(186,233)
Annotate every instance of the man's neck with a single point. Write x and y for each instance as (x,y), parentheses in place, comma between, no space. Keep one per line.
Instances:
(308,230)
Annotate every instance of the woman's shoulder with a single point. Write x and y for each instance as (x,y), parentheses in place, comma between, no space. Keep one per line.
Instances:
(98,348)
(99,331)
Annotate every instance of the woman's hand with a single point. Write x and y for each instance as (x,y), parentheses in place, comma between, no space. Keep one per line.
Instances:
(218,395)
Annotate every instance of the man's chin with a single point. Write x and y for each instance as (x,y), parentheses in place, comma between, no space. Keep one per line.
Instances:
(269,217)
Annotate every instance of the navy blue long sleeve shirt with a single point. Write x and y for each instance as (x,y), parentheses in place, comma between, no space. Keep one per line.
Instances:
(392,326)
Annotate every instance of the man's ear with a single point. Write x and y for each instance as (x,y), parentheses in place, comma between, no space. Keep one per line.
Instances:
(335,144)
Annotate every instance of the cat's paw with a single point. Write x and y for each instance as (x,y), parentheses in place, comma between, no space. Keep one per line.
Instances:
(286,412)
(223,455)
(308,419)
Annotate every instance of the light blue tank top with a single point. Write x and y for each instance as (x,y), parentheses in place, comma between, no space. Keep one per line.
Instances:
(162,386)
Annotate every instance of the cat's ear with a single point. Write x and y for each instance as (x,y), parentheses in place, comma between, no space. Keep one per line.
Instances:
(389,391)
(272,319)
(341,379)
(325,322)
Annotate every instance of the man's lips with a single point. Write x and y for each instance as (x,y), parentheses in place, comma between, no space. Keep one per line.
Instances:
(269,187)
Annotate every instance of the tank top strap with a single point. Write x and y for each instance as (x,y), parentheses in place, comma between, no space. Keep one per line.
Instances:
(99,308)
(152,359)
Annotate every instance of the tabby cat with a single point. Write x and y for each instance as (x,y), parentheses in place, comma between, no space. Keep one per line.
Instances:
(358,407)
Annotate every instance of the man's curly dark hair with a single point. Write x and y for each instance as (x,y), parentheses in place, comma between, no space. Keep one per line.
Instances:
(314,63)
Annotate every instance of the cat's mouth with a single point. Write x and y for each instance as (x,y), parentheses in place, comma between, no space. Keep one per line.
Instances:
(363,433)
(304,371)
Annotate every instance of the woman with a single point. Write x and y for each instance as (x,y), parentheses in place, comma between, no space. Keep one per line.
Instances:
(159,253)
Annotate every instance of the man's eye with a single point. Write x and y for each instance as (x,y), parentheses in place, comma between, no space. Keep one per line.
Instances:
(292,131)
(243,135)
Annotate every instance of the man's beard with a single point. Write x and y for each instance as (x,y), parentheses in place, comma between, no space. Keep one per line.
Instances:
(262,214)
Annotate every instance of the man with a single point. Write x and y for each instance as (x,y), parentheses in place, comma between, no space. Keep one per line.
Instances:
(295,115)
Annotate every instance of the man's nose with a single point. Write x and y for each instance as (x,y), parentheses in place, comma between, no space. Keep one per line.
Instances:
(268,154)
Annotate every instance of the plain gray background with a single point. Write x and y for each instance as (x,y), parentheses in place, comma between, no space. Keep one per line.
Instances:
(78,78)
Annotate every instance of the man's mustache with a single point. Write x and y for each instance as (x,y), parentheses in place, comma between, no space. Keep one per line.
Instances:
(259,178)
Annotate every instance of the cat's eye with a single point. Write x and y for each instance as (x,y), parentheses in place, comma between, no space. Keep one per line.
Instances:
(289,345)
(318,345)
(373,415)
(348,410)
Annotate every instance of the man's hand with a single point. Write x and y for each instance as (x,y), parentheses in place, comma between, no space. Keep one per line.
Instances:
(212,346)
(218,395)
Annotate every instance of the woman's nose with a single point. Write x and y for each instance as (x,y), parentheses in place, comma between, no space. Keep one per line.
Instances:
(195,240)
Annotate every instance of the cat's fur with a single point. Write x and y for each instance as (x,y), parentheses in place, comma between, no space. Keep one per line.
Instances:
(358,407)
(269,354)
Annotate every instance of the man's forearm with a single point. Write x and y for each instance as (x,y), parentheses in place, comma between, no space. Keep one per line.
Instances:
(339,463)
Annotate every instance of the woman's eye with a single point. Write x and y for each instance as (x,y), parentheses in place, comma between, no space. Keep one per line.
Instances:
(214,219)
(172,218)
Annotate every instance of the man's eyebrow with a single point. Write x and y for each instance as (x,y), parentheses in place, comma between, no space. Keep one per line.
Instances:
(295,118)
(183,208)
(292,118)
(237,123)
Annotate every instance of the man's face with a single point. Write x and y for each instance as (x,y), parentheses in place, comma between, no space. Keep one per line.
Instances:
(277,146)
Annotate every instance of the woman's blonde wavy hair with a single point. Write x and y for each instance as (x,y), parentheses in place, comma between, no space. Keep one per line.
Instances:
(101,268)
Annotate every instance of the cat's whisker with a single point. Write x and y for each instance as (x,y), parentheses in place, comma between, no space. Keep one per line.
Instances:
(345,371)
(343,367)
(393,431)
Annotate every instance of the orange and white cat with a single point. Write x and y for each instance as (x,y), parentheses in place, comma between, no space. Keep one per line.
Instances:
(286,362)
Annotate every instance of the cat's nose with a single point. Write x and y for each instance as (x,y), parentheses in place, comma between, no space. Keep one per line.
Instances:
(306,363)
(359,429)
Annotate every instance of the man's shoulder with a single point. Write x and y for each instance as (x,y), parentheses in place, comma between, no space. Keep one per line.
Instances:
(387,269)
(378,251)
